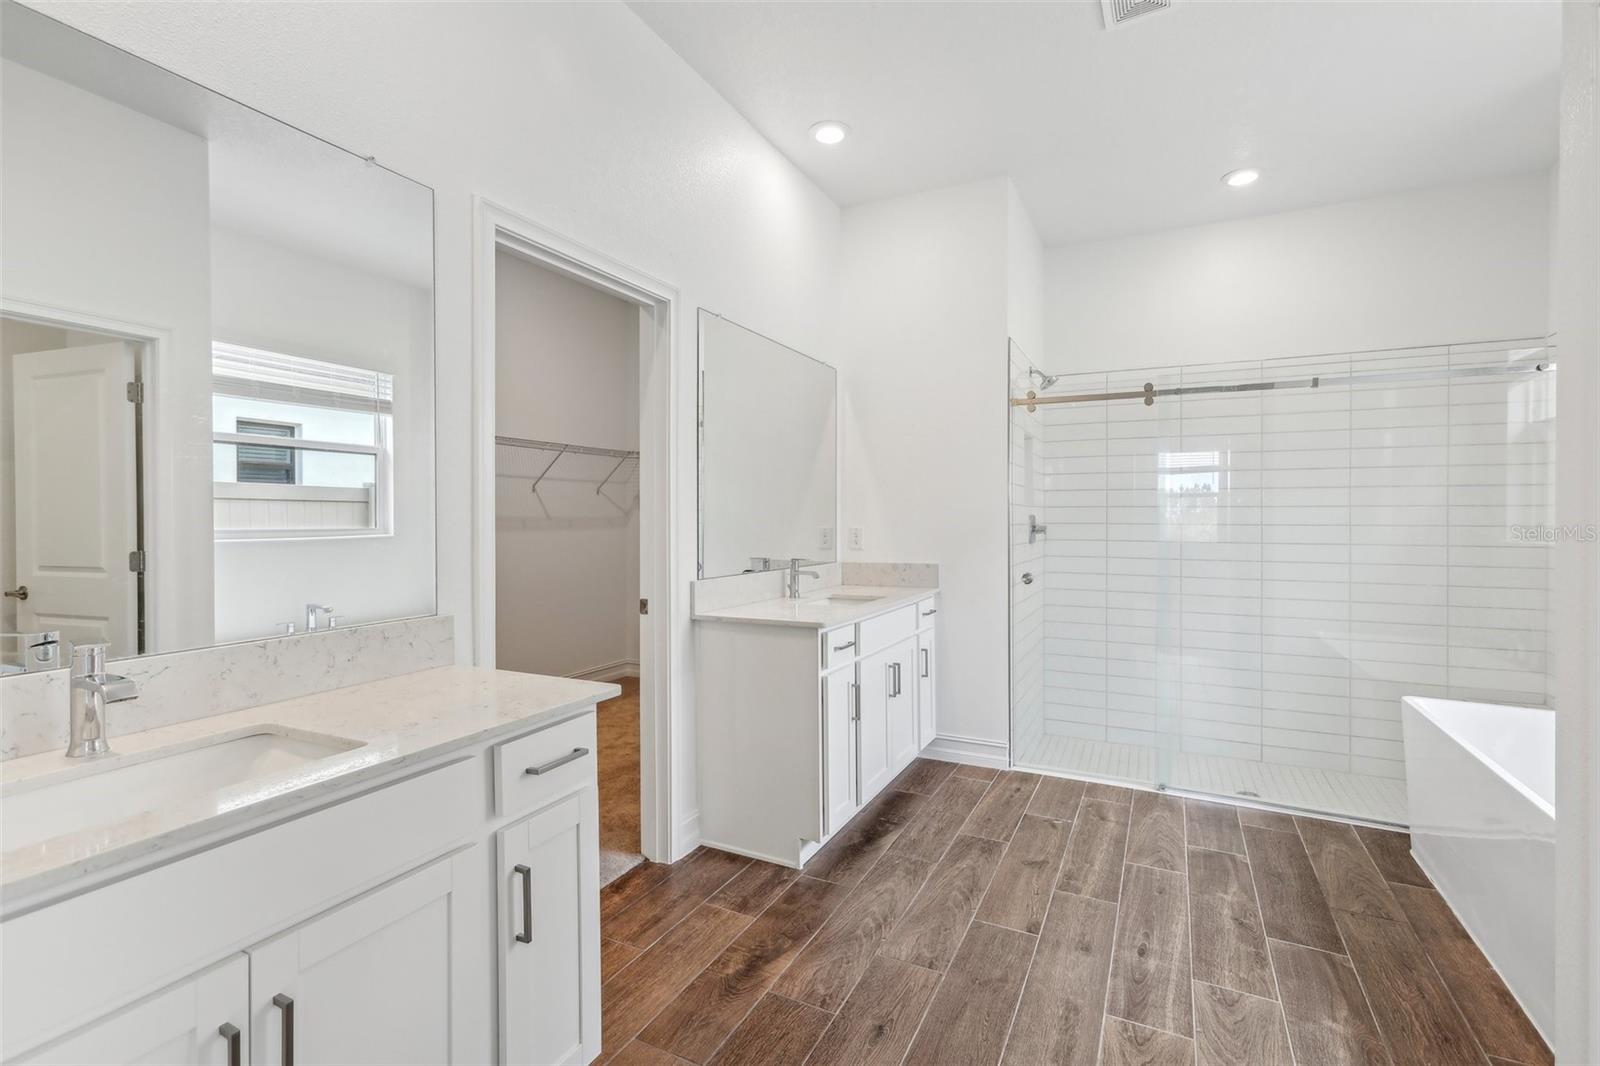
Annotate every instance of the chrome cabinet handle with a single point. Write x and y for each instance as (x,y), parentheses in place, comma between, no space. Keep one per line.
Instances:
(230,1032)
(526,936)
(925,661)
(846,646)
(930,610)
(855,702)
(575,753)
(286,1004)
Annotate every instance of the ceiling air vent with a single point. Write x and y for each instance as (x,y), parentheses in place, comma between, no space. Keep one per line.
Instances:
(1118,12)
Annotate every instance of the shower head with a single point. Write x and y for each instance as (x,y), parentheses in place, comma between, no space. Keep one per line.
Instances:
(1045,380)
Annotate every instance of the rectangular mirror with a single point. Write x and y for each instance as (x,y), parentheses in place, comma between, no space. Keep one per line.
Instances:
(768,441)
(216,362)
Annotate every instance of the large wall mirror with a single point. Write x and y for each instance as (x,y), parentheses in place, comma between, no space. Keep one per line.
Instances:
(216,362)
(768,442)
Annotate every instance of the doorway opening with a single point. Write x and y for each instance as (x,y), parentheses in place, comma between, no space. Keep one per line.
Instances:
(72,562)
(567,517)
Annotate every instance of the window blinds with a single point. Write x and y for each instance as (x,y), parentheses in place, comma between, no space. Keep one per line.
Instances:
(256,374)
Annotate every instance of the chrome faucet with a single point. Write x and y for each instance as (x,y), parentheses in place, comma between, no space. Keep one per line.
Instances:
(791,585)
(92,690)
(315,612)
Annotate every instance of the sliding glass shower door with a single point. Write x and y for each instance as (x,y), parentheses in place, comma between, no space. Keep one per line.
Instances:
(1236,571)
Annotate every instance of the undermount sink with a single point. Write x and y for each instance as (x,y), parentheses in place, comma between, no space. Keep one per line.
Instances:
(114,791)
(840,597)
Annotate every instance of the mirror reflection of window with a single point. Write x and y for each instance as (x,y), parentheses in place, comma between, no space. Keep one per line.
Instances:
(301,447)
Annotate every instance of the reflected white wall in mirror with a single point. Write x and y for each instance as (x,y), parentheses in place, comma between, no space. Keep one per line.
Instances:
(272,296)
(768,446)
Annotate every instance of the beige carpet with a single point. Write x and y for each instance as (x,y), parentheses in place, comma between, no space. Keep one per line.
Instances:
(618,725)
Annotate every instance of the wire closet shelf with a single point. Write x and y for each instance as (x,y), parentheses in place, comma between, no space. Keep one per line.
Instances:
(541,460)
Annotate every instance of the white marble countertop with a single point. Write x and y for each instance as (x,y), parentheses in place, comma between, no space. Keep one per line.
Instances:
(841,605)
(394,723)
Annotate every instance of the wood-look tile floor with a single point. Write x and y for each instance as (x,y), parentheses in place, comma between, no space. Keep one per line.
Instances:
(617,766)
(968,918)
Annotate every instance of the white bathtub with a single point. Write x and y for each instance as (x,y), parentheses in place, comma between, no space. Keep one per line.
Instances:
(1480,779)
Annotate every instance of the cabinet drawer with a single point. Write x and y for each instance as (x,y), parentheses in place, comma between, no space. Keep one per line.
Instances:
(886,629)
(839,646)
(927,612)
(563,756)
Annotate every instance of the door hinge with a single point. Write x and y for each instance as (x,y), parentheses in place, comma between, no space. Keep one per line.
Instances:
(136,392)
(644,606)
(136,560)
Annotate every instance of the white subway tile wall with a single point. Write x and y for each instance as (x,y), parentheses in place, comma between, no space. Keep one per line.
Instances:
(1241,586)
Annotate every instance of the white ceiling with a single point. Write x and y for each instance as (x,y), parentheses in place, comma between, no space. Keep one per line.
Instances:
(1129,130)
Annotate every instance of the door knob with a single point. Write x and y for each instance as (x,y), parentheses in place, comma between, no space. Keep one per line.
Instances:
(18,593)
(1027,579)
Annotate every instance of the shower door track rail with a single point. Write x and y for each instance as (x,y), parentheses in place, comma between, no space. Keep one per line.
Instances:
(1150,393)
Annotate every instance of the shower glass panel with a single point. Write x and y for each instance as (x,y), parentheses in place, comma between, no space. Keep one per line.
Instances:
(1235,587)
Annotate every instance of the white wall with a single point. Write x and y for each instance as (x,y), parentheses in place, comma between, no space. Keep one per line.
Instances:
(923,363)
(566,563)
(573,114)
(1576,621)
(280,299)
(1458,264)
(133,248)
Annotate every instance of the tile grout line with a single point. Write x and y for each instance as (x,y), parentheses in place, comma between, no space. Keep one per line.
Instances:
(1266,944)
(1360,981)
(1188,925)
(945,973)
(1116,930)
(1050,901)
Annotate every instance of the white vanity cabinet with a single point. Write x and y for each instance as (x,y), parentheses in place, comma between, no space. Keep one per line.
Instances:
(202,1021)
(801,726)
(357,932)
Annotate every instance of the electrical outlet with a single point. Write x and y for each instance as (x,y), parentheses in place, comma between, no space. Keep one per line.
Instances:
(857,543)
(827,538)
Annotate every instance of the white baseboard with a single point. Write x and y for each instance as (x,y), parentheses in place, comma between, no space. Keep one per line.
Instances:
(688,837)
(970,750)
(611,671)
(747,853)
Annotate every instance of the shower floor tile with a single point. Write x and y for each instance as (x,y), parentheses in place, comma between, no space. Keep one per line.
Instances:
(1346,795)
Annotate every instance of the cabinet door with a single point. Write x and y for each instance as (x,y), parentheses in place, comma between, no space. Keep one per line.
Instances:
(395,976)
(927,666)
(185,1025)
(902,705)
(838,749)
(550,934)
(872,725)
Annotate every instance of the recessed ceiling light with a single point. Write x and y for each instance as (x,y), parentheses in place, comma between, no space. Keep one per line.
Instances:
(1238,179)
(829,132)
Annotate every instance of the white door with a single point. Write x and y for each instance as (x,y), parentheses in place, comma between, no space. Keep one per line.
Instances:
(388,978)
(550,934)
(202,1020)
(872,725)
(925,688)
(902,705)
(838,749)
(75,493)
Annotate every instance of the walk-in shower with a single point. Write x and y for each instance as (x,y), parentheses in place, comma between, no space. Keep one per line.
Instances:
(1224,578)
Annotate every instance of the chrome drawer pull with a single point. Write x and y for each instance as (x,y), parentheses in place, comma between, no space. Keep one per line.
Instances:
(524,872)
(845,646)
(930,610)
(924,662)
(575,753)
(286,1004)
(230,1032)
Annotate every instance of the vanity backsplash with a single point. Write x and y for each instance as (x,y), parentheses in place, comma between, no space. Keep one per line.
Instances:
(185,685)
(715,593)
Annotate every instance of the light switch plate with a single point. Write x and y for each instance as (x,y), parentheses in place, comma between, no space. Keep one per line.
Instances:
(827,538)
(856,541)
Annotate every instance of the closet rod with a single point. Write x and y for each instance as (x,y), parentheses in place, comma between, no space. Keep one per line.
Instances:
(1149,393)
(573,449)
